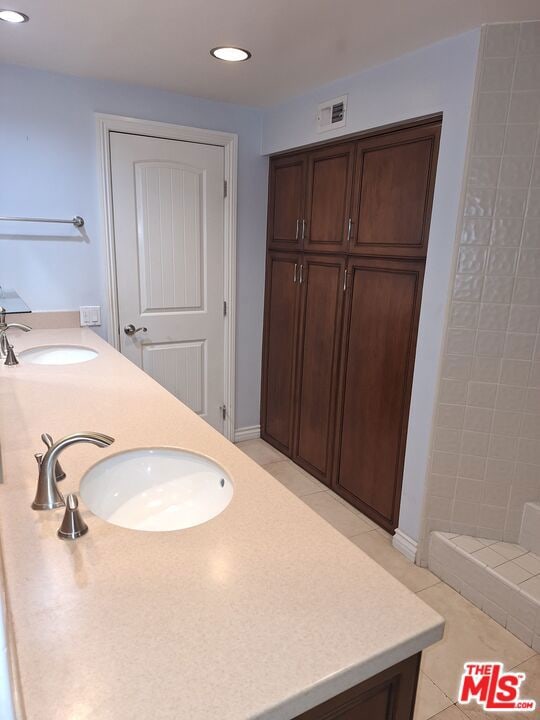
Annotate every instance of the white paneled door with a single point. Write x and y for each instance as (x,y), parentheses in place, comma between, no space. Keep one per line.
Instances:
(168,206)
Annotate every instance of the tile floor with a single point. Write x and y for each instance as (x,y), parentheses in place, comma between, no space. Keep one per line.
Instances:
(469,633)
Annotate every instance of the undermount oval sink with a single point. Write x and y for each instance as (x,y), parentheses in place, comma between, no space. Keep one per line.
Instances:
(57,354)
(156,489)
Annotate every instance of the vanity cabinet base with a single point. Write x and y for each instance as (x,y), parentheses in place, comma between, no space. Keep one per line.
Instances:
(390,695)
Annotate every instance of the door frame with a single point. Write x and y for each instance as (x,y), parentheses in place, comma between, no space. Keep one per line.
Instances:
(105,125)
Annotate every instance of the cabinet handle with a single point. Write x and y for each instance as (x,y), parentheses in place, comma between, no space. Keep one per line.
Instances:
(345,281)
(295,272)
(301,274)
(297,228)
(349,228)
(303,229)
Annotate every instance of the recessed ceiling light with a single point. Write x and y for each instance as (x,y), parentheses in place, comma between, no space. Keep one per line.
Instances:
(230,54)
(12,16)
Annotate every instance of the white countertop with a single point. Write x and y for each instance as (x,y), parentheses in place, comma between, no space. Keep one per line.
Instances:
(263,612)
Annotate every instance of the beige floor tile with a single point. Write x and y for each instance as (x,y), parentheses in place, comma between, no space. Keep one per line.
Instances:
(451,713)
(529,690)
(260,451)
(469,635)
(379,547)
(294,478)
(429,699)
(355,511)
(336,514)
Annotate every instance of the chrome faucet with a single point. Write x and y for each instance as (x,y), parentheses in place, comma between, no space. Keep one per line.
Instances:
(49,442)
(48,496)
(6,349)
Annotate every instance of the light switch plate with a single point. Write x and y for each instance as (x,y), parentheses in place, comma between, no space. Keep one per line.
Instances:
(90,315)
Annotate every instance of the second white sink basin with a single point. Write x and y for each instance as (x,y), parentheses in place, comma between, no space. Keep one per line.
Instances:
(57,354)
(156,489)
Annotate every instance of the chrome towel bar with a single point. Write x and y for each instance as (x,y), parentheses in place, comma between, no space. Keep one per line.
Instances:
(77,220)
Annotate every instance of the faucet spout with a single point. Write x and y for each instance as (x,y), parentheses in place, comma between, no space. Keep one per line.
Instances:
(48,496)
(49,442)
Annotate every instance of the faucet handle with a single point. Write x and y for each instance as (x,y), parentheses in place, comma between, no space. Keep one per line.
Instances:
(73,526)
(46,498)
(58,471)
(10,356)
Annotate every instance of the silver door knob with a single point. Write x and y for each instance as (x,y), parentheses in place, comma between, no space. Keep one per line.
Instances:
(131,329)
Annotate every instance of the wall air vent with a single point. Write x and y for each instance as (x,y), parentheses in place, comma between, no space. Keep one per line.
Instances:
(332,114)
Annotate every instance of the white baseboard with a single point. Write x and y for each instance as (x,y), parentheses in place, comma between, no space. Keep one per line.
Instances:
(247,433)
(405,544)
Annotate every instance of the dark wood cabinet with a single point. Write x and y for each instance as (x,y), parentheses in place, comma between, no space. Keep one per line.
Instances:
(279,349)
(286,198)
(329,195)
(318,352)
(377,359)
(394,181)
(390,695)
(350,220)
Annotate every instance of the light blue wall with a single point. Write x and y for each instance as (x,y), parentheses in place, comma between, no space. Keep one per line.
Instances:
(48,167)
(438,78)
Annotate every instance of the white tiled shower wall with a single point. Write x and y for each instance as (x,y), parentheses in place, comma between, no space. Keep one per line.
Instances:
(485,456)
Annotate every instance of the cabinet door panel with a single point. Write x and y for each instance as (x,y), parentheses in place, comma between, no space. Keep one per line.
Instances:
(390,695)
(279,350)
(328,207)
(286,202)
(394,184)
(380,327)
(320,332)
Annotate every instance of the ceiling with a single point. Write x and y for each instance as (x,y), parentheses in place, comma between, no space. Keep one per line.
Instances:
(296,44)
